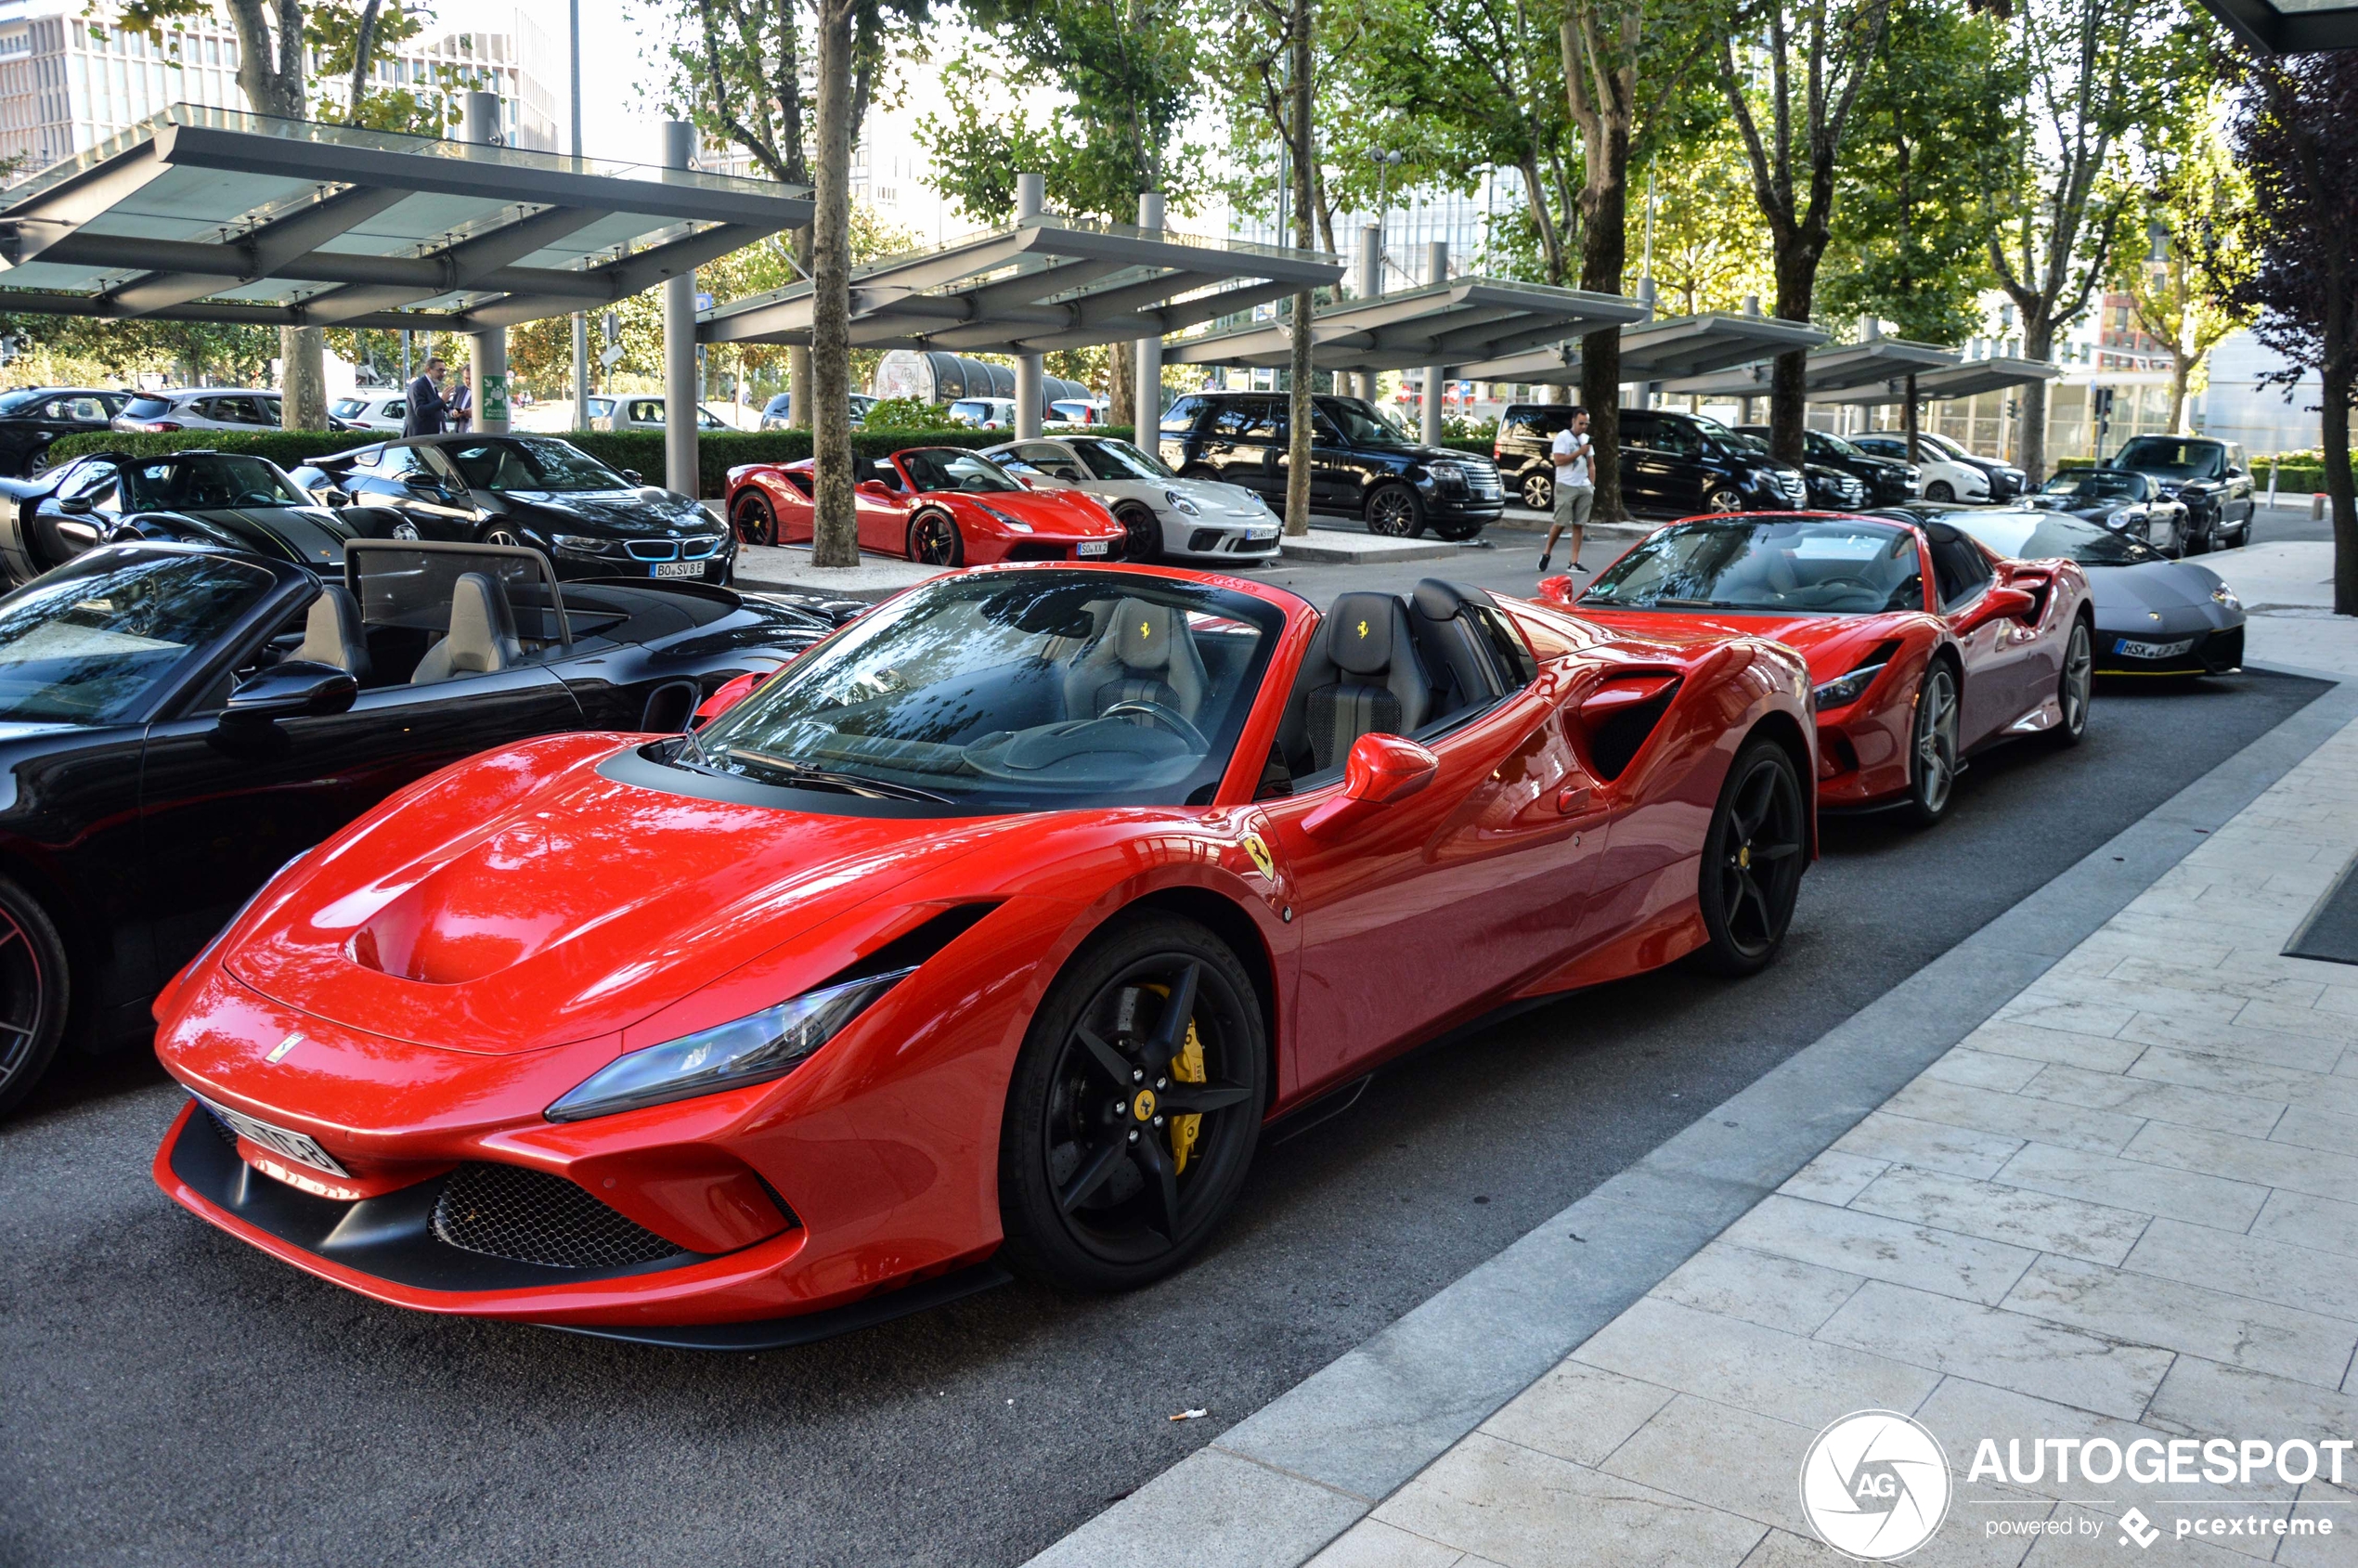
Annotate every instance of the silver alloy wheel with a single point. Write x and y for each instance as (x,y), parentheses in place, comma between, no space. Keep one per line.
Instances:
(2078,680)
(501,537)
(37,464)
(1539,491)
(1936,744)
(1724,500)
(405,531)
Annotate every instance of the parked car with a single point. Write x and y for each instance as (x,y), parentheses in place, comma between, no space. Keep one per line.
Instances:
(983,413)
(539,492)
(1165,515)
(32,417)
(370,411)
(1941,476)
(1830,489)
(206,407)
(778,413)
(1923,646)
(1886,481)
(960,940)
(180,722)
(944,505)
(1686,463)
(2211,478)
(1360,462)
(224,501)
(2154,615)
(1079,413)
(2129,504)
(636,412)
(1521,446)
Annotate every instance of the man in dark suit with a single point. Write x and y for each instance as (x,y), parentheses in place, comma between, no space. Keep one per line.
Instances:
(424,413)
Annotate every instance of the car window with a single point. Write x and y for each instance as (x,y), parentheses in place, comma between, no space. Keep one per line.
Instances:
(145,407)
(258,410)
(399,462)
(1246,419)
(1180,418)
(208,481)
(2174,457)
(345,408)
(1537,420)
(2039,535)
(645,410)
(1120,461)
(1679,438)
(1821,567)
(1959,570)
(1358,425)
(101,638)
(529,463)
(95,482)
(78,410)
(778,407)
(1638,430)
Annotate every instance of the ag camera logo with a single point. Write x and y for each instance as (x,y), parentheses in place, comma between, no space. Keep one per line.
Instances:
(1875,1485)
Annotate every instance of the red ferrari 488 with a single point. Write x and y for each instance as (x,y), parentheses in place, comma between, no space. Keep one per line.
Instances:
(943,505)
(991,930)
(1923,646)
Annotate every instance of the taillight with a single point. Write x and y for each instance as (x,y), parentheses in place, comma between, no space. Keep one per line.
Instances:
(156,427)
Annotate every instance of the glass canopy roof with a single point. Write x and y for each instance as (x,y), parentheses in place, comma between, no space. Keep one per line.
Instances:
(1653,351)
(1837,366)
(213,215)
(1458,323)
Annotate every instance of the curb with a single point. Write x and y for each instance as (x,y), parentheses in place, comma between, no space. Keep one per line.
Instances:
(1273,1489)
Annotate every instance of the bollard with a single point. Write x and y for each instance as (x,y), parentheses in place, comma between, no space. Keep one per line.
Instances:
(2316,509)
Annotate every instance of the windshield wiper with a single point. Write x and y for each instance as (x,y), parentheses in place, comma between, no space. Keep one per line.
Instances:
(851,784)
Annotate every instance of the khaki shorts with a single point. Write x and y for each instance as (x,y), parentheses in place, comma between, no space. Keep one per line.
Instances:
(1573,502)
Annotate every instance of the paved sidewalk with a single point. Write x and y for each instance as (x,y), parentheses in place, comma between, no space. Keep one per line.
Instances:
(2288,593)
(2125,1207)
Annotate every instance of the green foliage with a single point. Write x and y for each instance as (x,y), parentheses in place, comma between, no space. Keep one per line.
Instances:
(902,413)
(285,448)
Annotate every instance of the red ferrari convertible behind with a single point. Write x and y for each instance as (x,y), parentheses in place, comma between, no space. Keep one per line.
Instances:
(993,928)
(1923,646)
(943,505)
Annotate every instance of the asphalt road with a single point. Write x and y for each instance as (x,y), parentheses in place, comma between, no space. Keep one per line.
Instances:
(168,1395)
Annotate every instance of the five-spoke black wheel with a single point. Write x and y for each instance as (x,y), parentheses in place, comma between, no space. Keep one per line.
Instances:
(755,520)
(1144,543)
(32,991)
(933,540)
(1134,1107)
(1753,858)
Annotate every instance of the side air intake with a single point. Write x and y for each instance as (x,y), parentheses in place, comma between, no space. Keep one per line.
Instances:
(1621,714)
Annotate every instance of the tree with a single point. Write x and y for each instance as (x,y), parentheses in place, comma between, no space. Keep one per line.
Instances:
(1701,261)
(1305,160)
(1832,45)
(2192,190)
(2294,132)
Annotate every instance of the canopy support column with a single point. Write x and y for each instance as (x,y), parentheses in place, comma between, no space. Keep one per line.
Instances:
(1370,285)
(1436,272)
(1148,402)
(680,460)
(1031,197)
(487,352)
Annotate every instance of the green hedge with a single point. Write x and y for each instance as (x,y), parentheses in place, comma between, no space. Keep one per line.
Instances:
(632,449)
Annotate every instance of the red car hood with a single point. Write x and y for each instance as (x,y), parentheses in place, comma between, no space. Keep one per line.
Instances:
(1069,512)
(566,909)
(1832,643)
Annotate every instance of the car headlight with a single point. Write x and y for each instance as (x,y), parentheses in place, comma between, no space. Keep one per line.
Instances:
(2224,597)
(1181,503)
(1846,689)
(769,1044)
(1447,473)
(1013,523)
(583,544)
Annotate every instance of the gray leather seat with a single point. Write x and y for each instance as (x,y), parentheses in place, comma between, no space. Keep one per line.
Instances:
(1360,677)
(483,634)
(1144,654)
(332,633)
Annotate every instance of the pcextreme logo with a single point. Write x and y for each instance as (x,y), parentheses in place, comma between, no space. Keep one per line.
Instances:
(1874,1485)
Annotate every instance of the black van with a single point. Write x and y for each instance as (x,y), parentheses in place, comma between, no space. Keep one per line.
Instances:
(1889,481)
(1358,462)
(1527,432)
(1676,463)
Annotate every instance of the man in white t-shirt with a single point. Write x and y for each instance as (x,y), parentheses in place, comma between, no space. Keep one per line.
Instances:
(1576,460)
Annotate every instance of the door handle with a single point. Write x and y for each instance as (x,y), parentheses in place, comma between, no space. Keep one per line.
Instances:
(1572,800)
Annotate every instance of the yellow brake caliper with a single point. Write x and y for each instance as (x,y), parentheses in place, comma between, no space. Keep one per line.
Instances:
(1187,1068)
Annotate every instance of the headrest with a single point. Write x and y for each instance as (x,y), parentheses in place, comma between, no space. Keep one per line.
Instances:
(479,612)
(1361,640)
(1145,634)
(1438,601)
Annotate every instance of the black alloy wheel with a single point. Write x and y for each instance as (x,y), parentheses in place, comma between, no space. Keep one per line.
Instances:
(1939,491)
(1395,512)
(1144,543)
(33,992)
(752,519)
(934,540)
(1539,490)
(2075,685)
(1753,858)
(1932,760)
(1134,1107)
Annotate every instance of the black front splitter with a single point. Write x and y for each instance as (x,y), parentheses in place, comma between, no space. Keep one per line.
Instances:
(808,1328)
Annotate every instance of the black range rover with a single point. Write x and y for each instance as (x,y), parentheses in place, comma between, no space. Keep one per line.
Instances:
(1359,462)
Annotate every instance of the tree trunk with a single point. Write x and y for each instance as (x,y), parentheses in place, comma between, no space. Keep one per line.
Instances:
(2038,342)
(2334,428)
(1121,372)
(1304,302)
(1912,422)
(1788,382)
(836,523)
(2182,371)
(303,381)
(1604,251)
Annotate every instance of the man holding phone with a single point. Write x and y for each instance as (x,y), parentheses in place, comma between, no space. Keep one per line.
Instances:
(1574,456)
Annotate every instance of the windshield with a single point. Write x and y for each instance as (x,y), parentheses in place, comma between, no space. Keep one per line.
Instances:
(2095,485)
(19,402)
(2042,536)
(1812,567)
(1939,445)
(96,641)
(528,463)
(1825,443)
(145,407)
(1031,690)
(1358,425)
(1119,460)
(947,468)
(209,481)
(2173,457)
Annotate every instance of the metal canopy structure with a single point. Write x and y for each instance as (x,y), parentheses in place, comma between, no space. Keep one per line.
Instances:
(1833,369)
(208,215)
(1653,351)
(1042,284)
(1447,324)
(2289,27)
(1967,380)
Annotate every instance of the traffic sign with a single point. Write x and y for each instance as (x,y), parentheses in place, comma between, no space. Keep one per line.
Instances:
(611,358)
(704,301)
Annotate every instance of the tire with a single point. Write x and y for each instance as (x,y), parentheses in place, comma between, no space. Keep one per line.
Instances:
(37,463)
(405,530)
(1094,1194)
(1539,490)
(35,993)
(1395,512)
(1723,500)
(753,519)
(935,540)
(2074,683)
(502,537)
(1940,491)
(1932,746)
(1144,543)
(1757,824)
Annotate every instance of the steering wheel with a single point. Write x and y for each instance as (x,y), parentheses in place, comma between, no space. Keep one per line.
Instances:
(1163,714)
(256,498)
(1846,580)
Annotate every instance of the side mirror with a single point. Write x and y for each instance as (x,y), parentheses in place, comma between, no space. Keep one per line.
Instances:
(1380,770)
(327,494)
(1999,604)
(422,484)
(632,474)
(298,688)
(727,697)
(871,488)
(76,507)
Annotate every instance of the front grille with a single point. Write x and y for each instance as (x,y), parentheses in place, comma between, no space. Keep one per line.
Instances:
(1795,488)
(228,1134)
(698,549)
(1204,540)
(531,1216)
(654,550)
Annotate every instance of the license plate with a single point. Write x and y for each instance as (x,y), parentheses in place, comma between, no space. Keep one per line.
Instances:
(678,568)
(2130,650)
(296,1146)
(1261,533)
(1095,547)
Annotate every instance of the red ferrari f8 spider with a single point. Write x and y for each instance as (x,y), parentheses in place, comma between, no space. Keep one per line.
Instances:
(991,930)
(943,505)
(1923,646)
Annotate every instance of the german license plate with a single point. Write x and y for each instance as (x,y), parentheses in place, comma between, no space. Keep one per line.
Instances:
(2130,650)
(678,568)
(1094,547)
(1261,533)
(296,1146)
